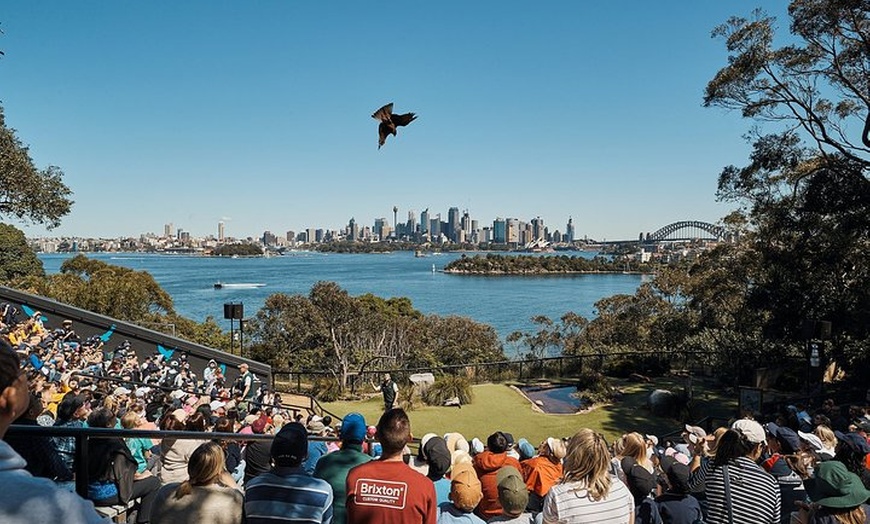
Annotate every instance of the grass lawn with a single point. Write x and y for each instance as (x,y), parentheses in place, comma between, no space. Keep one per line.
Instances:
(498,407)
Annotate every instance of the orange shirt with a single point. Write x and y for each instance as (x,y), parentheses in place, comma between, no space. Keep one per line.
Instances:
(540,474)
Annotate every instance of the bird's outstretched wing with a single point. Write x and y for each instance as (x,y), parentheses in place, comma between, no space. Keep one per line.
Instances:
(383,114)
(384,129)
(403,120)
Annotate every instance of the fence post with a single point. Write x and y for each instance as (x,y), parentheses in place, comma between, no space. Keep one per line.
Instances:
(561,359)
(80,463)
(298,382)
(521,370)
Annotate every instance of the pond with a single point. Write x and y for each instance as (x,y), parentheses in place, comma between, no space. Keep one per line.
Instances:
(554,399)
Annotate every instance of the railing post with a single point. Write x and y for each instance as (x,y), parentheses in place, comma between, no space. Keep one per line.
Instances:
(80,463)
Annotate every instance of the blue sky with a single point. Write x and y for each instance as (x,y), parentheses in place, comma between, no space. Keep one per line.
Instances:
(258,113)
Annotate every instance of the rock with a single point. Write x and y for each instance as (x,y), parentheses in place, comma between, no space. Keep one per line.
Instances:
(422,381)
(663,403)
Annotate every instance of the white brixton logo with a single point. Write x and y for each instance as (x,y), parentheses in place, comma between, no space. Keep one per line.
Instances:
(382,493)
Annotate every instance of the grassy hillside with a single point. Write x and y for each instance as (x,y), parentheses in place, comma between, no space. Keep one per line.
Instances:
(500,407)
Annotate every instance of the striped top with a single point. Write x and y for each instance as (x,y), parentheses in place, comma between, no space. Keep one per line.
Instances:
(570,503)
(297,498)
(755,497)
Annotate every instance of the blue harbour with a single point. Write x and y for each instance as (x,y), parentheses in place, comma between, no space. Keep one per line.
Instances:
(507,303)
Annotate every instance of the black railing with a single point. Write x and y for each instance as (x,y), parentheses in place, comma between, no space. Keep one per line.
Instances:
(83,435)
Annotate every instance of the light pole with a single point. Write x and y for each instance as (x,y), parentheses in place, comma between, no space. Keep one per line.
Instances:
(395,222)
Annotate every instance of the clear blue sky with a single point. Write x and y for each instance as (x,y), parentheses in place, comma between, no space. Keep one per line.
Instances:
(258,113)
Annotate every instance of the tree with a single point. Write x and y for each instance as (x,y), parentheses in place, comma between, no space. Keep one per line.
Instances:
(28,193)
(804,197)
(17,260)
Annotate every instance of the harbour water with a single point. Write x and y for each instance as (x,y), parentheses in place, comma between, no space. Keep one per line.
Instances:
(505,302)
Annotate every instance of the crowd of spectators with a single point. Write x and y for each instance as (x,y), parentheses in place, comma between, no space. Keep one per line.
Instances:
(800,466)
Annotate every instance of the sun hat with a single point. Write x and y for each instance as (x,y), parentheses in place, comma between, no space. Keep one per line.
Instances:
(557,447)
(421,451)
(750,429)
(465,490)
(460,457)
(121,390)
(833,486)
(476,445)
(456,442)
(316,427)
(216,405)
(512,492)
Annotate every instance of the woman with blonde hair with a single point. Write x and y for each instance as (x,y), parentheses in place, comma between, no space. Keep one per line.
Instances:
(209,494)
(588,489)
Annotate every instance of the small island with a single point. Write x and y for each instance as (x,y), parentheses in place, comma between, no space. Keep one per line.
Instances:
(492,264)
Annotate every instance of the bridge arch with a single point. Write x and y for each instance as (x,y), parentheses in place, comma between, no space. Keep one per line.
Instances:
(694,227)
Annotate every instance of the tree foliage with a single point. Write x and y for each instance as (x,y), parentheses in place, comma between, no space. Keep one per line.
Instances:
(802,202)
(330,330)
(26,192)
(17,260)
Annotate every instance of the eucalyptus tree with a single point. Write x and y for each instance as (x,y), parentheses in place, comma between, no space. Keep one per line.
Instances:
(804,196)
(28,193)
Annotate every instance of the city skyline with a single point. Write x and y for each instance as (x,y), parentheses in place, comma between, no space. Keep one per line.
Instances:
(257,117)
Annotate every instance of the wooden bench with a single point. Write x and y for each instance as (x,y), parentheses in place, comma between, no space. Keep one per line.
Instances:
(118,512)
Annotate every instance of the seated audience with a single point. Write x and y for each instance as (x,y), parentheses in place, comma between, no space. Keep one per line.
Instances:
(486,464)
(465,495)
(112,471)
(588,491)
(285,493)
(513,497)
(208,495)
(334,467)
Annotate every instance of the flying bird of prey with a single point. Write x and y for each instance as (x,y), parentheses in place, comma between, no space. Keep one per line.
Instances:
(389,122)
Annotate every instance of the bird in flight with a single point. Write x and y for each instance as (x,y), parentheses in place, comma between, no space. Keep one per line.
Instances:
(389,122)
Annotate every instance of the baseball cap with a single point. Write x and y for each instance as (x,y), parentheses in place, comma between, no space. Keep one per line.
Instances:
(512,492)
(353,428)
(465,490)
(290,445)
(557,447)
(696,433)
(750,429)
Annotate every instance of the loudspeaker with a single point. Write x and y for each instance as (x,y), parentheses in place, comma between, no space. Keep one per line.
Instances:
(234,311)
(824,329)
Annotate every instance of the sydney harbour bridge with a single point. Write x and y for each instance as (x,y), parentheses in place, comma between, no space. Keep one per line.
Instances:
(682,231)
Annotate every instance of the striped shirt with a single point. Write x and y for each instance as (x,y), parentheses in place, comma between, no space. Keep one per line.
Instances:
(570,503)
(294,497)
(755,497)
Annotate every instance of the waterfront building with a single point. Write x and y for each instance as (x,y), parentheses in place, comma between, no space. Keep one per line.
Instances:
(538,231)
(380,227)
(424,221)
(453,224)
(220,236)
(569,231)
(167,230)
(512,230)
(499,231)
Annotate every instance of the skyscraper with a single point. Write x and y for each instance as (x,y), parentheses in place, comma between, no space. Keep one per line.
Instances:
(569,231)
(424,221)
(499,231)
(537,228)
(453,224)
(220,231)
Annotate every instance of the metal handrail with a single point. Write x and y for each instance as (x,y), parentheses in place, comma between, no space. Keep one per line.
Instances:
(82,435)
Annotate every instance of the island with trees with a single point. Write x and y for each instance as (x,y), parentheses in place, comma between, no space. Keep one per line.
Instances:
(493,264)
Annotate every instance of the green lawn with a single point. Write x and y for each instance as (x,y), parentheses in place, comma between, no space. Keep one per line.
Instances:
(498,407)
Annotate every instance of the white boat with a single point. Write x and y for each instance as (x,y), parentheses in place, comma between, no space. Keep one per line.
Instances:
(239,285)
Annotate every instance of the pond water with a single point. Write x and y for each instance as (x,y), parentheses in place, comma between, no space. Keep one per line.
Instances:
(554,399)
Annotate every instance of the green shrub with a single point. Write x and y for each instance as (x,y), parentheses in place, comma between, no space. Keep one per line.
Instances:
(325,389)
(594,387)
(447,387)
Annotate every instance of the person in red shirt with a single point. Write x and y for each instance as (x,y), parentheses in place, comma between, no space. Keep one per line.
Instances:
(543,471)
(387,490)
(486,465)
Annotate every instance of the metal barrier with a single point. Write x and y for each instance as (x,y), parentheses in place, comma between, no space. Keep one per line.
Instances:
(83,435)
